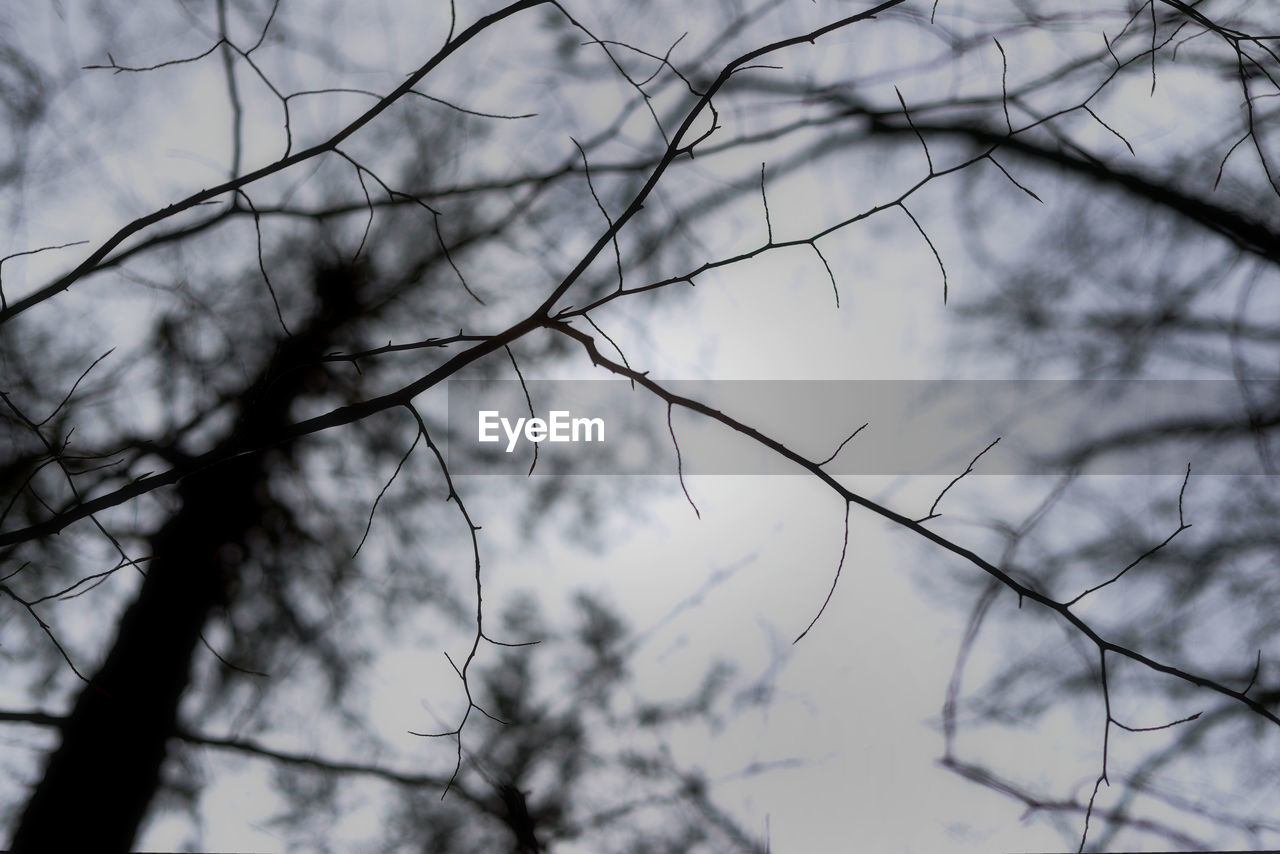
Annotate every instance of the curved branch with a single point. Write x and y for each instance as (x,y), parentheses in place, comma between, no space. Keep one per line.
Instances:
(67,280)
(1024,592)
(1252,236)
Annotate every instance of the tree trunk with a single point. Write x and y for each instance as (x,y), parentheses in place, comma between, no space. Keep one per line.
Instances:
(99,782)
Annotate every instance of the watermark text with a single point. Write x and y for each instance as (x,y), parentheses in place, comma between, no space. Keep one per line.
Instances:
(559,426)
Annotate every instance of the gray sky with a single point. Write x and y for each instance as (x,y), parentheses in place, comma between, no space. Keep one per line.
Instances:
(854,708)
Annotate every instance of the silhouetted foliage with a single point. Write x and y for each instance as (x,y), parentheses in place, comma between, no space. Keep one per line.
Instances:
(250,244)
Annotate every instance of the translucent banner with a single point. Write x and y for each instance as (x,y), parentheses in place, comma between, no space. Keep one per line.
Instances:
(911,427)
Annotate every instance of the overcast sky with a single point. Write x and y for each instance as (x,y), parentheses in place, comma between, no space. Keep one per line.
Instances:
(853,710)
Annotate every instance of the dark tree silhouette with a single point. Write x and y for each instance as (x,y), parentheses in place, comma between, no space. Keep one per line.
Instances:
(113,741)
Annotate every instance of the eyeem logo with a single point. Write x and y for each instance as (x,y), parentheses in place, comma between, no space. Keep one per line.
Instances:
(559,427)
